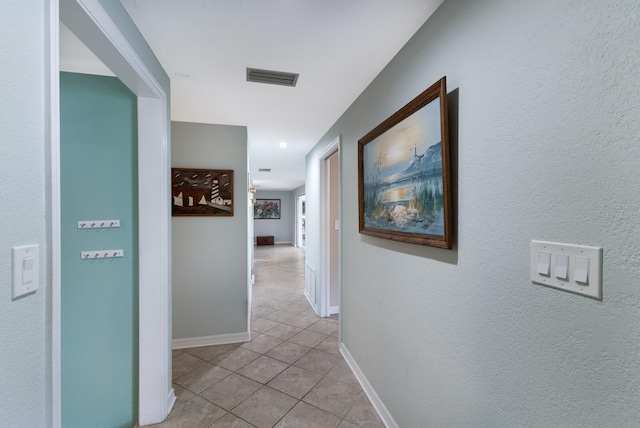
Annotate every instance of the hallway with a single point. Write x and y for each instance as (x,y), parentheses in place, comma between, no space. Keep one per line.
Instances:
(289,375)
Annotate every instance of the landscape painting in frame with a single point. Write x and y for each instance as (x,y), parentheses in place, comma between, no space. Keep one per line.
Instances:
(404,174)
(202,192)
(266,209)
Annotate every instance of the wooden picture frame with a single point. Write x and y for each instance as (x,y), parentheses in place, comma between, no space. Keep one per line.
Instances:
(267,209)
(404,174)
(202,192)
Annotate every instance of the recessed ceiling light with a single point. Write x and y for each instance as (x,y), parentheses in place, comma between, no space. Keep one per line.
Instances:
(283,145)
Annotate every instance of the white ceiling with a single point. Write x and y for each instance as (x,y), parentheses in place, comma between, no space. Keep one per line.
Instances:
(337,46)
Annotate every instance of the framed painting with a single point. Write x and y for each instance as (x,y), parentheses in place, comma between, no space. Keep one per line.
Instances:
(404,190)
(202,192)
(266,209)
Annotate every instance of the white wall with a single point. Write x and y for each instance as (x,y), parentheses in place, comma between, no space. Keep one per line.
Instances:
(23,324)
(210,260)
(544,108)
(283,229)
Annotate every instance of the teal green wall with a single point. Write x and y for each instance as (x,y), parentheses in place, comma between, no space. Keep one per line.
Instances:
(99,297)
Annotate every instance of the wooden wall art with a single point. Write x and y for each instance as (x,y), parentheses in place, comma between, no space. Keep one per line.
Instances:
(202,192)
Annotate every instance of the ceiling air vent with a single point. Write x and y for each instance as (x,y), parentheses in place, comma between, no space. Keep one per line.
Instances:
(264,170)
(272,77)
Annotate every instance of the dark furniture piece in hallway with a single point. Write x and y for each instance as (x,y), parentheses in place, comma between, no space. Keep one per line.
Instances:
(264,240)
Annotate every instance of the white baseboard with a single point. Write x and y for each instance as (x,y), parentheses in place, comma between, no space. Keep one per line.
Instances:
(314,307)
(334,310)
(171,400)
(221,339)
(377,403)
(283,242)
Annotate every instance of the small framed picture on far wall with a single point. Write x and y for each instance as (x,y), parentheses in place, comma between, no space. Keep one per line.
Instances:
(266,209)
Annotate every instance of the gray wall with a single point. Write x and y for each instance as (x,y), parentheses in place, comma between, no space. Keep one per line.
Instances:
(544,111)
(282,229)
(297,192)
(210,260)
(24,352)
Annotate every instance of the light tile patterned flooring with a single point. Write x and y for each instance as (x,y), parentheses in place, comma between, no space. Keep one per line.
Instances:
(289,375)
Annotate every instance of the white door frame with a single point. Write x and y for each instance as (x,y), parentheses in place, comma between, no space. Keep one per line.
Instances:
(298,231)
(93,25)
(325,229)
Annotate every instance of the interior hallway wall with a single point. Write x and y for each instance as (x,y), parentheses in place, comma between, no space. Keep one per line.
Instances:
(210,258)
(281,229)
(99,180)
(544,109)
(24,354)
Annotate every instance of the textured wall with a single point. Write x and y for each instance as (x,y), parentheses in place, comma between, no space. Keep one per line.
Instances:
(282,229)
(210,260)
(545,97)
(22,160)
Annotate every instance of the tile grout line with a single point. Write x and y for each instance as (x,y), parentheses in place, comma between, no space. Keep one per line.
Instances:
(265,297)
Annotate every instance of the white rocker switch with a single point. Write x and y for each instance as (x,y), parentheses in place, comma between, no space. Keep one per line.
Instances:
(544,262)
(27,270)
(562,266)
(581,273)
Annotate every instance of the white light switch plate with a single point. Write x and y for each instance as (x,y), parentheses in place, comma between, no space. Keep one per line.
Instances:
(593,288)
(25,269)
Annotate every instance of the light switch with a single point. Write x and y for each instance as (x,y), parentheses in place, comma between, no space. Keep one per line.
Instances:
(544,262)
(581,274)
(562,266)
(26,277)
(27,270)
(574,268)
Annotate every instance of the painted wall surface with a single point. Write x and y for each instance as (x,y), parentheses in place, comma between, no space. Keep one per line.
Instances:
(210,260)
(98,122)
(298,192)
(23,323)
(544,113)
(281,229)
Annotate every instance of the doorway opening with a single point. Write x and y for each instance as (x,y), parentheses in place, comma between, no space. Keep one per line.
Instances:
(301,209)
(96,28)
(330,240)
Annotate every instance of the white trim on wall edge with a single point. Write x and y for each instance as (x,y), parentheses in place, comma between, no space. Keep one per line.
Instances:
(171,399)
(334,310)
(220,339)
(283,243)
(377,403)
(314,307)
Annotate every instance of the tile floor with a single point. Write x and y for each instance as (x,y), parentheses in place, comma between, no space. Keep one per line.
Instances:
(289,375)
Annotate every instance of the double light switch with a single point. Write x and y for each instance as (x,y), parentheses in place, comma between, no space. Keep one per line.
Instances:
(568,267)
